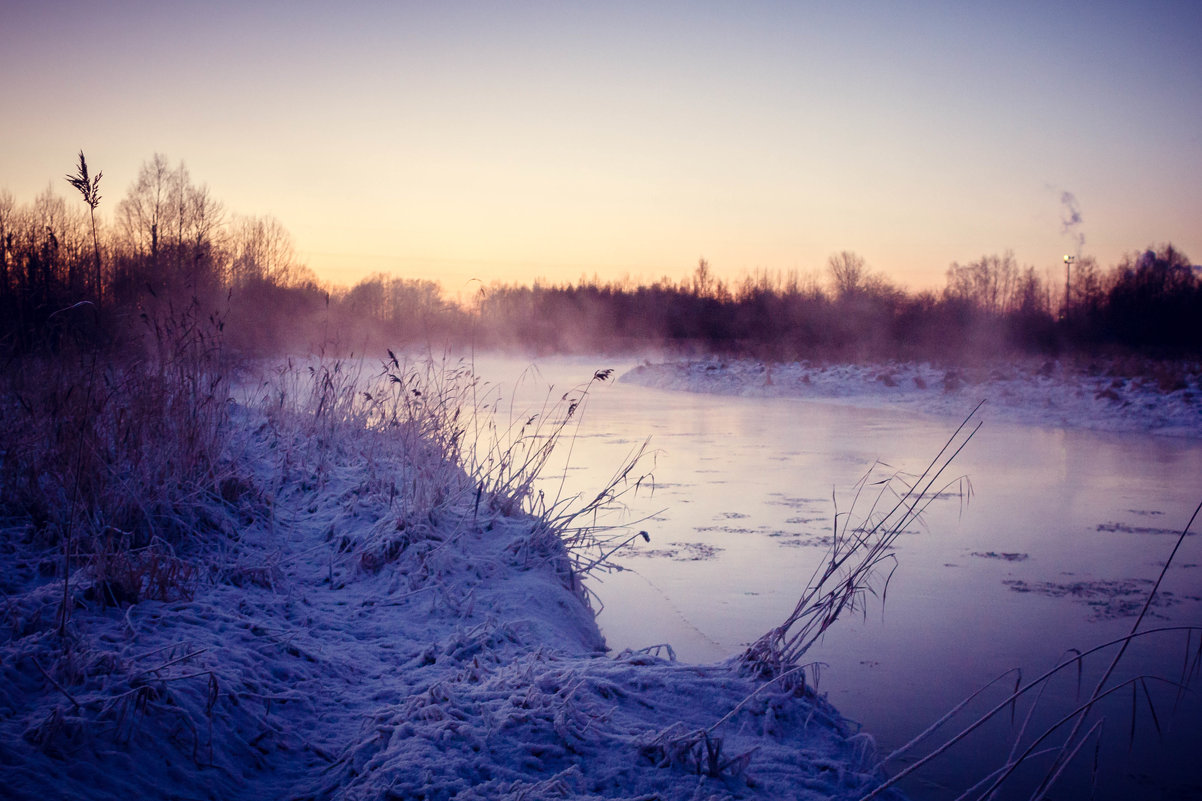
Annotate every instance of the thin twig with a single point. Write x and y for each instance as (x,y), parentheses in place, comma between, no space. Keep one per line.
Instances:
(58,686)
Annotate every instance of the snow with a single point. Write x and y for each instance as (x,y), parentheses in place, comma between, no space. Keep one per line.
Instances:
(1165,401)
(335,636)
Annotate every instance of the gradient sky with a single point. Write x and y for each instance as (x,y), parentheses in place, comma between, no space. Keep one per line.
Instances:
(519,140)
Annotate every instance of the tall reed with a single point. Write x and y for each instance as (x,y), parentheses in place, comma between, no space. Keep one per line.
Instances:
(861,549)
(462,447)
(1069,733)
(860,563)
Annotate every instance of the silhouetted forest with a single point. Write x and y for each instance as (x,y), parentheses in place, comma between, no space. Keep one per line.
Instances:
(1150,303)
(75,269)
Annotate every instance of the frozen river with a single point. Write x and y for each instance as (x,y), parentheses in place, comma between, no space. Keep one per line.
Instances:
(1056,549)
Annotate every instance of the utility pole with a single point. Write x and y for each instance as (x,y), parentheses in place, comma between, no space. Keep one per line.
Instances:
(1068,261)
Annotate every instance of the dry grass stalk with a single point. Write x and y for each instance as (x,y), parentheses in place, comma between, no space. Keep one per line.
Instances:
(130,442)
(1062,748)
(858,556)
(441,444)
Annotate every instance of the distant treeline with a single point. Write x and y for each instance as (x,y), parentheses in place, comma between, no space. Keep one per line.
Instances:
(71,272)
(1149,303)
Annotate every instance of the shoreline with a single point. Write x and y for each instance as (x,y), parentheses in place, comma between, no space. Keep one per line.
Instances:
(331,646)
(1049,393)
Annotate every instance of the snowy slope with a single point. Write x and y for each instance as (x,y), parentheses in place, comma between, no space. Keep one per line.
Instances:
(325,641)
(1058,394)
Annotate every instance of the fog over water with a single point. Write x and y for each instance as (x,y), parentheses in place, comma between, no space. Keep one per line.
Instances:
(1056,548)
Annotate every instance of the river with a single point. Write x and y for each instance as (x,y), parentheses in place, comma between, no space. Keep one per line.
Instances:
(1051,544)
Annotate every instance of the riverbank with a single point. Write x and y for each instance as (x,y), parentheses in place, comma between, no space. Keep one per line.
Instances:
(1166,401)
(356,622)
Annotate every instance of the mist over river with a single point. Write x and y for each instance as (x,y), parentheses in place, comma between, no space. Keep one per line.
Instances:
(1051,544)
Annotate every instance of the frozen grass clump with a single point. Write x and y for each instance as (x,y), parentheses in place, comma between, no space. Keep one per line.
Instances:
(393,607)
(115,459)
(449,455)
(549,724)
(132,442)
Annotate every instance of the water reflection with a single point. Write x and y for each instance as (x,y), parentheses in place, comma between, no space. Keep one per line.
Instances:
(1056,549)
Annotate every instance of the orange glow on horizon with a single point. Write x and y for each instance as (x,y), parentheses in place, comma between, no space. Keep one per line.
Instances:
(519,141)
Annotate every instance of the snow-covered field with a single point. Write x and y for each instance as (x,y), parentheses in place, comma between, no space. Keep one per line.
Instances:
(1165,401)
(331,637)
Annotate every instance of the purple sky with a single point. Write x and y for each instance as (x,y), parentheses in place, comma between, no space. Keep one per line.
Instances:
(516,140)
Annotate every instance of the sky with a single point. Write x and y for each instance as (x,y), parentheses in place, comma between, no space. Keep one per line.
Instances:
(509,141)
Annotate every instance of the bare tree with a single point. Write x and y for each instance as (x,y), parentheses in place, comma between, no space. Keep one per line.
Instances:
(1087,294)
(89,187)
(174,222)
(200,225)
(262,250)
(1030,295)
(991,282)
(180,182)
(703,279)
(48,242)
(145,206)
(848,273)
(7,213)
(206,216)
(367,299)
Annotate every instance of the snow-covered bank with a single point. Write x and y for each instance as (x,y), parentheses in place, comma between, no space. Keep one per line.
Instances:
(1046,393)
(336,636)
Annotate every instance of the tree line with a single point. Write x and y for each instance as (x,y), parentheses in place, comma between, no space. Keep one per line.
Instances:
(1149,303)
(69,270)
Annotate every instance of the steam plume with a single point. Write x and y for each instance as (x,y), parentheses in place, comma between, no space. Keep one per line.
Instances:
(1070,220)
